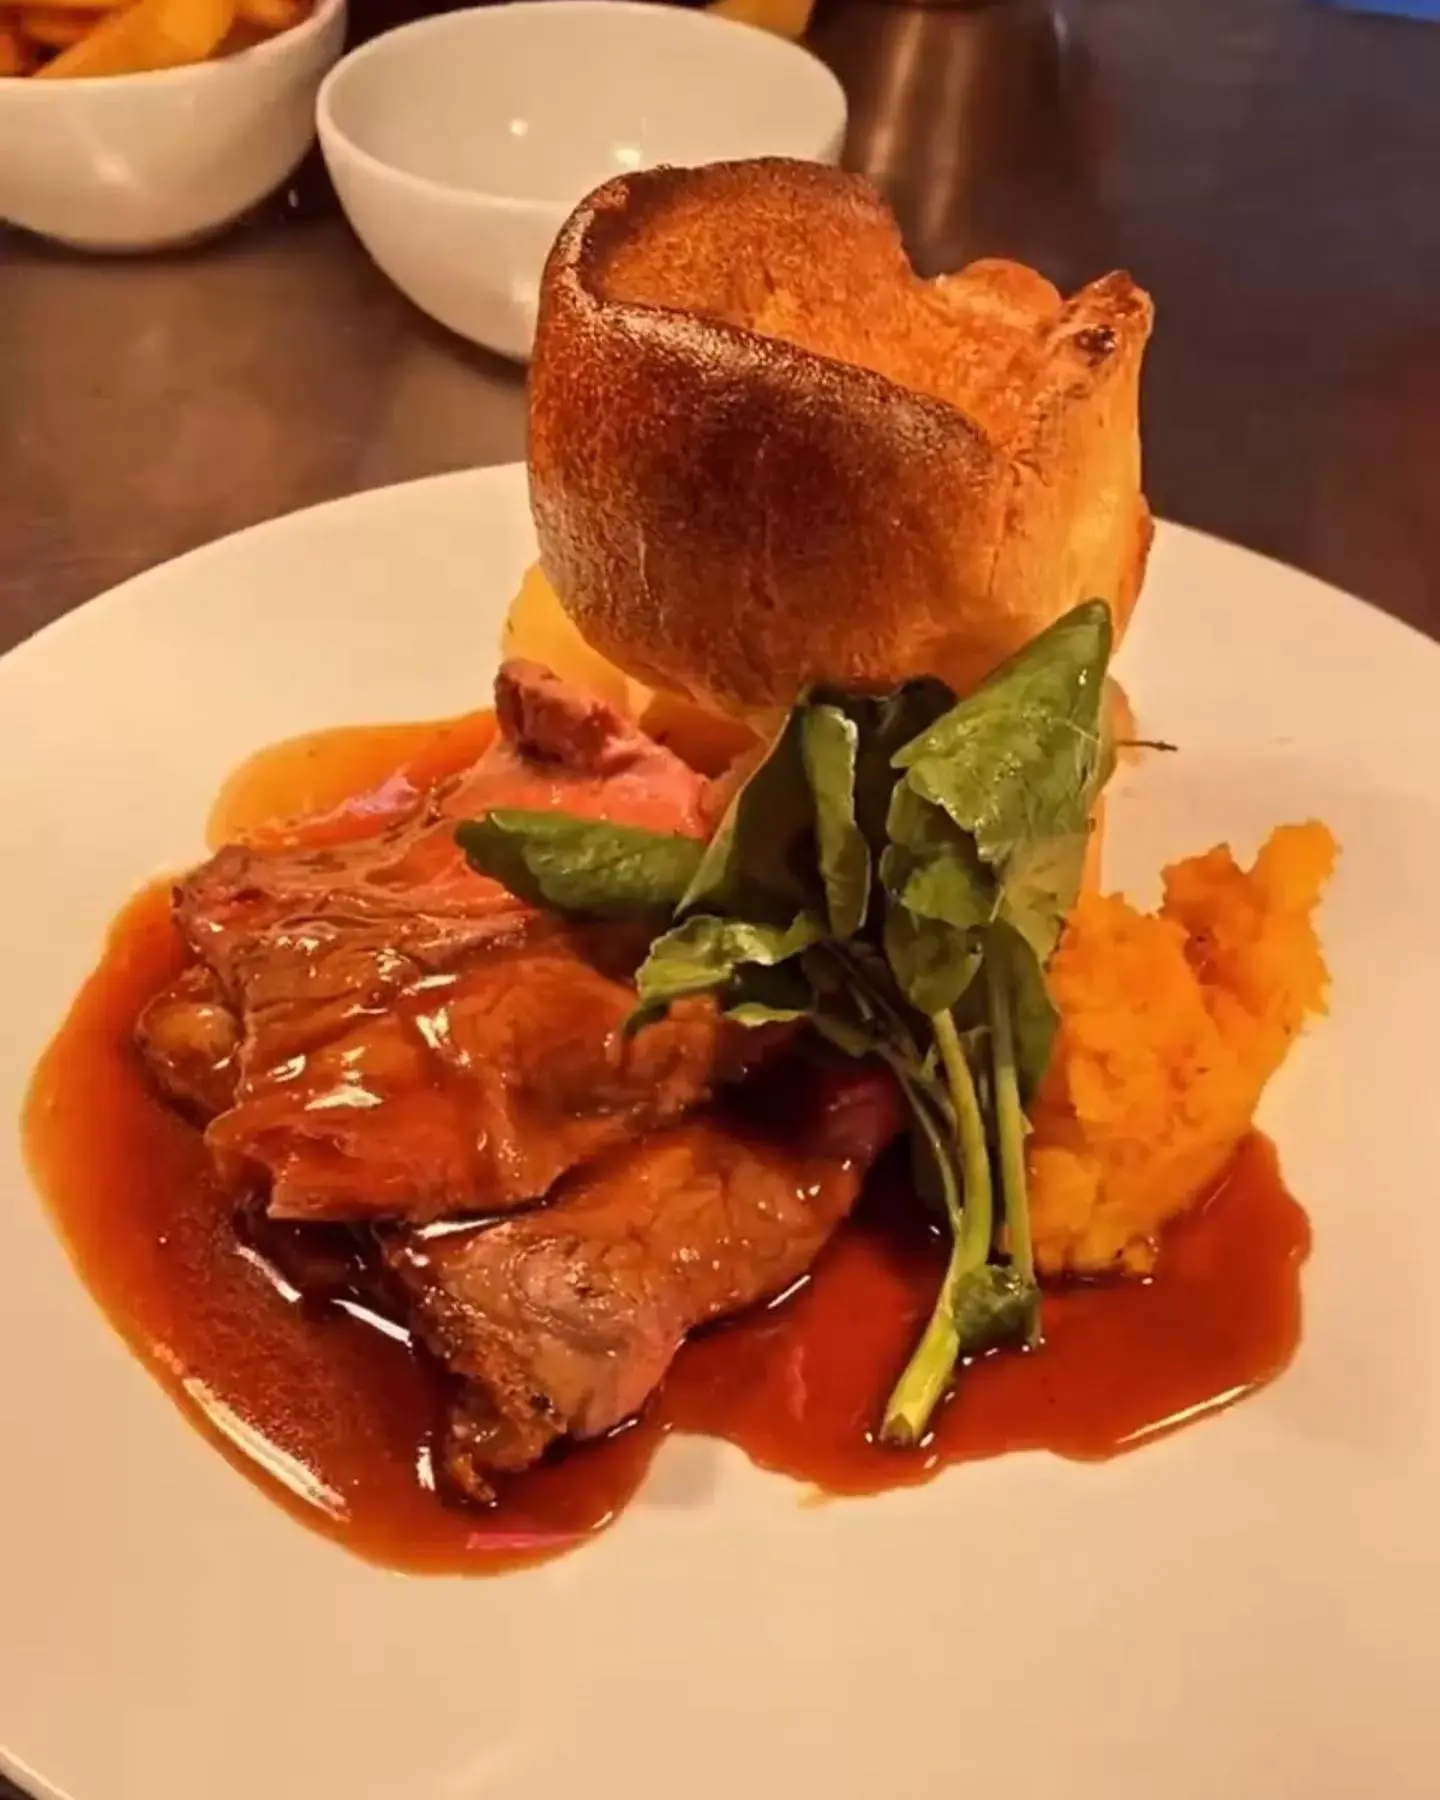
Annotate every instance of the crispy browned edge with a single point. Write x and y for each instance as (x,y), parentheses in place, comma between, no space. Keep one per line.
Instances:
(729,515)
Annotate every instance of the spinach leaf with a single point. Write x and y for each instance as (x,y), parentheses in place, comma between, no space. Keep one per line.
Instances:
(829,743)
(1017,759)
(933,962)
(948,884)
(704,953)
(779,993)
(761,862)
(886,725)
(1012,772)
(581,865)
(1041,884)
(937,895)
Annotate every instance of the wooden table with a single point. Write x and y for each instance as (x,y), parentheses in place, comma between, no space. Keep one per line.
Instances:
(1270,169)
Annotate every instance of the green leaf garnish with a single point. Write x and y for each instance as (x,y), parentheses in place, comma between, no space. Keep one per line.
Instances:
(829,743)
(886,726)
(704,953)
(761,862)
(933,962)
(581,865)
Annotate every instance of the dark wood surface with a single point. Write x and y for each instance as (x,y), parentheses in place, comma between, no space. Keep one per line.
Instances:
(1268,168)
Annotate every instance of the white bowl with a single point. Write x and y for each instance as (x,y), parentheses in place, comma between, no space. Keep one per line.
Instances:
(138,162)
(458,145)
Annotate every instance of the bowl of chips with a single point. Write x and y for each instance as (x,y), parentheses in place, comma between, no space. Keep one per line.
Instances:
(141,124)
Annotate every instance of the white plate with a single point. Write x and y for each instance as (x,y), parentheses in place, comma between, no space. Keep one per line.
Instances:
(1247,1609)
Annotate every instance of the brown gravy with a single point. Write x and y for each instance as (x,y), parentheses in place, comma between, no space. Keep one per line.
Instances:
(334,1417)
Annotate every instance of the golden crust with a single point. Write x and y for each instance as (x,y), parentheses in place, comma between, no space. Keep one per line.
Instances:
(764,452)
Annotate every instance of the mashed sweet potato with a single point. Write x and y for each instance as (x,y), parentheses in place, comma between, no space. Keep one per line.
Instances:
(1171,1024)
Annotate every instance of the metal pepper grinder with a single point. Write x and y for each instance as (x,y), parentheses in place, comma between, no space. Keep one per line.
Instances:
(983,126)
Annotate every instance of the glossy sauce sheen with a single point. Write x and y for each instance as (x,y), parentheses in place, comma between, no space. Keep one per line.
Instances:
(334,1417)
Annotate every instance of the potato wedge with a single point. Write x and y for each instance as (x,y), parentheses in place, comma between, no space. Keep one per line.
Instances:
(151,34)
(242,35)
(272,16)
(786,18)
(15,54)
(89,10)
(52,27)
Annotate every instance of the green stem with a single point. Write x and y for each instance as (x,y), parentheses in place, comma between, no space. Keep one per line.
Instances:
(927,1374)
(979,1219)
(924,1082)
(939,1149)
(859,977)
(1009,1115)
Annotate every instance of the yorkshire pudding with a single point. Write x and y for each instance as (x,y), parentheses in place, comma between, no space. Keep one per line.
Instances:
(764,452)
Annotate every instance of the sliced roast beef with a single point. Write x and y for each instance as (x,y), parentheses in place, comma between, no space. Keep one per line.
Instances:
(558,748)
(470,1088)
(412,1041)
(562,1321)
(190,1038)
